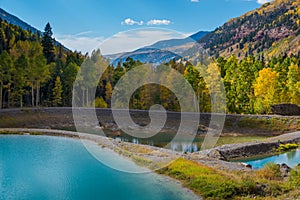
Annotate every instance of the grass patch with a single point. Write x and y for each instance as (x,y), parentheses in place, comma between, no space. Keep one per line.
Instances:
(269,123)
(239,139)
(294,177)
(270,171)
(141,161)
(216,184)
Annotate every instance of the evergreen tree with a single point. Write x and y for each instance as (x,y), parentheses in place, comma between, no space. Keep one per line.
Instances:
(48,44)
(57,92)
(293,84)
(108,93)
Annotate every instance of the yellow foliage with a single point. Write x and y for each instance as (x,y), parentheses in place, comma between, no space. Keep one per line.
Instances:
(266,82)
(265,90)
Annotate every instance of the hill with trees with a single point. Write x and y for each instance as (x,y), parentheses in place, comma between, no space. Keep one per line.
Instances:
(16,21)
(35,71)
(31,63)
(272,30)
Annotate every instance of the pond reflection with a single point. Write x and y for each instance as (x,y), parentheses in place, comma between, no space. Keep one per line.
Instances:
(163,140)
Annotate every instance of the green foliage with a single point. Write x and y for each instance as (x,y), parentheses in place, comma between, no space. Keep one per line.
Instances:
(204,180)
(271,171)
(30,64)
(211,183)
(293,83)
(48,44)
(258,32)
(25,77)
(100,103)
(294,177)
(57,92)
(287,147)
(108,92)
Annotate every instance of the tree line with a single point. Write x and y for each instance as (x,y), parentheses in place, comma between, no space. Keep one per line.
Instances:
(252,85)
(35,71)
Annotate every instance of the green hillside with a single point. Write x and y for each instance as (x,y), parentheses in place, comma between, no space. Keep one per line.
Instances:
(272,30)
(32,65)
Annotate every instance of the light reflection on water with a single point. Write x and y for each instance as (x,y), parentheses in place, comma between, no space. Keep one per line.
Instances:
(162,140)
(175,146)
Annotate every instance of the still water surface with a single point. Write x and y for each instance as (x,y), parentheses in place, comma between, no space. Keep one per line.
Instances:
(292,159)
(43,167)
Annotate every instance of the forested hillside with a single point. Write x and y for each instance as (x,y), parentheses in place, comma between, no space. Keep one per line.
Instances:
(272,30)
(252,85)
(32,67)
(35,71)
(16,21)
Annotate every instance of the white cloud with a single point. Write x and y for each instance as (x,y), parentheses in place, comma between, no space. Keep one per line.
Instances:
(195,1)
(263,1)
(134,39)
(158,22)
(80,41)
(131,22)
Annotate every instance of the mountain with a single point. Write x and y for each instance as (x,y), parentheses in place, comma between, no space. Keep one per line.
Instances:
(16,21)
(161,51)
(179,45)
(145,55)
(11,19)
(273,29)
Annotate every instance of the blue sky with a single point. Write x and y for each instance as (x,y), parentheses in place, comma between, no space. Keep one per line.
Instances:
(81,24)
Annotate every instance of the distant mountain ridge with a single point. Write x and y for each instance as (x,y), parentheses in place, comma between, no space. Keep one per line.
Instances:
(145,55)
(270,31)
(11,19)
(179,42)
(161,51)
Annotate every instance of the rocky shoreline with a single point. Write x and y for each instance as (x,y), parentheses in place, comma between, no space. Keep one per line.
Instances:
(251,149)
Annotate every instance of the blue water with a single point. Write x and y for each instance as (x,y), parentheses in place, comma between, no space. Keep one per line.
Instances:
(42,167)
(292,159)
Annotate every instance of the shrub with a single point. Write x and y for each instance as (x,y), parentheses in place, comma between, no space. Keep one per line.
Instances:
(287,147)
(100,103)
(294,177)
(271,171)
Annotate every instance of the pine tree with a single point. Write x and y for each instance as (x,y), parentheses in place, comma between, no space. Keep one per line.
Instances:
(48,44)
(108,93)
(293,83)
(57,92)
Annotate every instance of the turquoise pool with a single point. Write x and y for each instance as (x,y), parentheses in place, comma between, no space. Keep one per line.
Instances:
(44,167)
(292,159)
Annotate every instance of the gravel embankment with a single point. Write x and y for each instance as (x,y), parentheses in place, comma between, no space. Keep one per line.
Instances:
(251,149)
